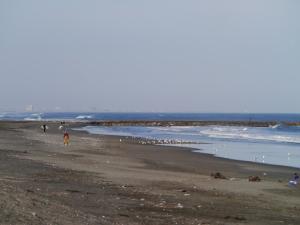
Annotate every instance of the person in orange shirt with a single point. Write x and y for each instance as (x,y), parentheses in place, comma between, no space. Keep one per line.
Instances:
(66,138)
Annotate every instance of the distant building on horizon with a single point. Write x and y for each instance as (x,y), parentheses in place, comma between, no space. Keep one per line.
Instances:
(29,108)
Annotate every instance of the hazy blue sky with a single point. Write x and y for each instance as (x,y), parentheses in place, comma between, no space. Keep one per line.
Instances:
(158,55)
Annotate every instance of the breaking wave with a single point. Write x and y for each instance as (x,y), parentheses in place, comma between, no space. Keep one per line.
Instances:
(273,134)
(84,117)
(34,117)
(198,133)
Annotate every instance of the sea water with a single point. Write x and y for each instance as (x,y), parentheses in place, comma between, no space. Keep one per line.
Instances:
(150,116)
(278,145)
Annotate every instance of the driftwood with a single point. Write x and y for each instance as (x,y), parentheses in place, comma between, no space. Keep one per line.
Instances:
(218,175)
(254,179)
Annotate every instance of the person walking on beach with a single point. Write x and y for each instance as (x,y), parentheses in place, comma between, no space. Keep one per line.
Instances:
(44,127)
(66,138)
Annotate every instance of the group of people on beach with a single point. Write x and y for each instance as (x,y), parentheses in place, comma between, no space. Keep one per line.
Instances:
(66,134)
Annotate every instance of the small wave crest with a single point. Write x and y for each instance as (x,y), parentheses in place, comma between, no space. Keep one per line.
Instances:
(252,134)
(285,128)
(84,117)
(34,117)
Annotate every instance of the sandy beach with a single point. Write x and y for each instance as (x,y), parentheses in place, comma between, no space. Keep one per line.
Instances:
(102,180)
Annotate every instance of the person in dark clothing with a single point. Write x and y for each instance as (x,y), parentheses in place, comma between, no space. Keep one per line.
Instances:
(44,128)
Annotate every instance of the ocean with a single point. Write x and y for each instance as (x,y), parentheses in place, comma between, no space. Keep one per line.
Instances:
(278,145)
(151,116)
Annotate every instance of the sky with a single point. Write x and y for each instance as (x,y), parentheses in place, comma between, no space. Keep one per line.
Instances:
(150,56)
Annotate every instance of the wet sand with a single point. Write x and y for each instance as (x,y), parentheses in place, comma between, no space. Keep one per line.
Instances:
(100,180)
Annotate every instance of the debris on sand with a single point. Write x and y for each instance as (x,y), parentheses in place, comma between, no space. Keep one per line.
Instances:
(295,180)
(72,191)
(29,191)
(218,175)
(179,206)
(292,182)
(240,218)
(254,179)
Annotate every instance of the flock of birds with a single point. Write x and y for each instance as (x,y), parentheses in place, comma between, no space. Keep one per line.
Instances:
(151,141)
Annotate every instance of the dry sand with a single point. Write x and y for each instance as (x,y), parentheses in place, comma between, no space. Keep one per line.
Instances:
(100,180)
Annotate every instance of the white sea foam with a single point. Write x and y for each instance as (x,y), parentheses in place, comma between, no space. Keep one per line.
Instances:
(35,114)
(251,134)
(84,117)
(194,133)
(275,126)
(33,119)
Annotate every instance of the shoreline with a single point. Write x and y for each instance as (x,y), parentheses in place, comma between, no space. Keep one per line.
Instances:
(176,144)
(189,151)
(80,124)
(130,139)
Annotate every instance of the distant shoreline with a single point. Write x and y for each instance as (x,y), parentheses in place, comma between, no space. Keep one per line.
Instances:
(160,123)
(188,123)
(160,119)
